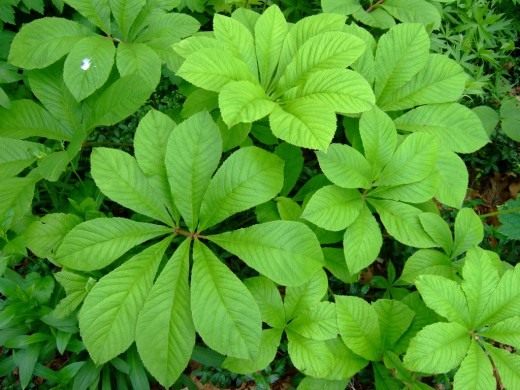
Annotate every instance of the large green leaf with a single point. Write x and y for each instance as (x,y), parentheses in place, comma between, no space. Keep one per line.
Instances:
(359,327)
(138,58)
(316,323)
(346,363)
(225,313)
(333,208)
(457,127)
(442,80)
(269,301)
(417,192)
(394,319)
(96,11)
(96,243)
(438,348)
(15,155)
(243,102)
(304,297)
(192,155)
(453,179)
(342,90)
(311,357)
(109,315)
(16,195)
(510,115)
(44,41)
(476,371)
(304,122)
(507,365)
(505,302)
(419,11)
(25,118)
(340,6)
(287,252)
(362,241)
(401,53)
(88,66)
(427,262)
(270,32)
(212,69)
(118,176)
(249,177)
(125,12)
(413,161)
(468,231)
(505,332)
(345,166)
(444,296)
(165,335)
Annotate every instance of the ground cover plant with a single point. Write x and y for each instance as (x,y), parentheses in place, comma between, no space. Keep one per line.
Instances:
(259,194)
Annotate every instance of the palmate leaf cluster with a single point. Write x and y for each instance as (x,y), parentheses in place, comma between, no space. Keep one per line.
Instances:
(222,229)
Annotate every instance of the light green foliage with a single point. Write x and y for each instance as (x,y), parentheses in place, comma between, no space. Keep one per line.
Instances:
(296,76)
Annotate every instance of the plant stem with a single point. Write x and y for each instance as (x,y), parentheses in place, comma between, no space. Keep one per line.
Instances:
(501,212)
(375,5)
(186,233)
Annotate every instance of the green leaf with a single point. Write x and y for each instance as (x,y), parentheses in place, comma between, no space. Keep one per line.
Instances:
(293,165)
(427,262)
(489,118)
(250,176)
(26,360)
(508,366)
(438,348)
(302,298)
(417,192)
(438,230)
(316,323)
(4,99)
(26,118)
(310,357)
(359,327)
(109,315)
(118,176)
(401,53)
(270,32)
(510,115)
(342,90)
(509,219)
(362,241)
(269,301)
(402,222)
(44,41)
(444,296)
(453,179)
(140,59)
(224,312)
(212,69)
(16,155)
(394,319)
(96,11)
(192,155)
(88,66)
(165,335)
(304,122)
(267,352)
(243,102)
(333,208)
(340,6)
(310,383)
(506,299)
(479,284)
(476,371)
(409,11)
(469,231)
(327,50)
(43,237)
(456,126)
(505,332)
(379,136)
(287,252)
(16,194)
(345,166)
(346,363)
(96,243)
(413,161)
(125,12)
(442,80)
(377,18)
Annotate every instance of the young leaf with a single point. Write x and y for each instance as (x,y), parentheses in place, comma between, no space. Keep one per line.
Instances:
(508,366)
(44,41)
(444,296)
(305,296)
(457,127)
(269,301)
(192,155)
(267,352)
(165,335)
(125,12)
(345,166)
(359,327)
(249,177)
(138,58)
(225,313)
(108,317)
(362,241)
(243,102)
(285,251)
(469,231)
(96,243)
(438,348)
(118,176)
(270,32)
(401,53)
(333,208)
